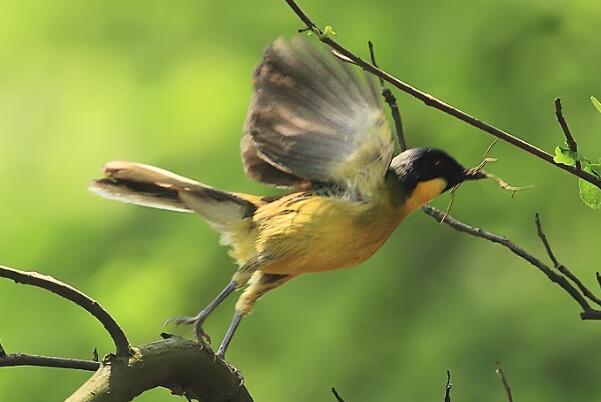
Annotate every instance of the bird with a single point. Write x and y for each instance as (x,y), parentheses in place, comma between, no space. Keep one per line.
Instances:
(316,127)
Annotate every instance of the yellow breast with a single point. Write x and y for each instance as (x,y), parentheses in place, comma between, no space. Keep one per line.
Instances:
(312,234)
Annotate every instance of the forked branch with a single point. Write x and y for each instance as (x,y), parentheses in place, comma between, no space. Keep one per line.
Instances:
(185,367)
(566,282)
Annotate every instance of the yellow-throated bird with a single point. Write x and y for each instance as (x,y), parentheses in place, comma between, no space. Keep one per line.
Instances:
(318,127)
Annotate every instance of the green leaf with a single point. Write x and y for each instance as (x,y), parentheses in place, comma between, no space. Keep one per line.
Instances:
(590,194)
(328,30)
(594,168)
(565,156)
(596,103)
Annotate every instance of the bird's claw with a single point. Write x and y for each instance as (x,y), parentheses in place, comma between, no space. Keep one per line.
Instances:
(199,331)
(201,335)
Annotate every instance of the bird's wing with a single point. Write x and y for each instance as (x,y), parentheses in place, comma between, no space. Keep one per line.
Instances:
(313,118)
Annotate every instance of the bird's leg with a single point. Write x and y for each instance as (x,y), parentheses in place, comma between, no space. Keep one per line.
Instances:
(229,334)
(259,284)
(199,319)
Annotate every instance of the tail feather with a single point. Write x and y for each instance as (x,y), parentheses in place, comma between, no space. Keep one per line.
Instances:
(150,186)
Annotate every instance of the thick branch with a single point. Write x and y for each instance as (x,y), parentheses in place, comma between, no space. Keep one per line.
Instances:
(431,101)
(70,293)
(185,367)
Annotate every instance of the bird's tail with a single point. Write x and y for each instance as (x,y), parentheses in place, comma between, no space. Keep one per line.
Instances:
(150,186)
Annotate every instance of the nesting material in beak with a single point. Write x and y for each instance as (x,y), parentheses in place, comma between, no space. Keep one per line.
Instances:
(475,174)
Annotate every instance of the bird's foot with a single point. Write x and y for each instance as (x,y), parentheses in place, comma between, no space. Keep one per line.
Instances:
(198,321)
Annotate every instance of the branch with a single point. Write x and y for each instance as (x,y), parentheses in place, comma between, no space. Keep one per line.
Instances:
(337,396)
(187,368)
(562,268)
(391,100)
(431,101)
(588,313)
(504,382)
(21,359)
(566,131)
(447,388)
(70,293)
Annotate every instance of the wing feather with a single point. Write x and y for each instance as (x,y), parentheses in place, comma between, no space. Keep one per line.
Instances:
(314,118)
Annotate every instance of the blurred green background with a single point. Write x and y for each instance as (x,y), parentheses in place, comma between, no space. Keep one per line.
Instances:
(85,82)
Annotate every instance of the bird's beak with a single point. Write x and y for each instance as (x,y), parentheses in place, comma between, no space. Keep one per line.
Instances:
(472,174)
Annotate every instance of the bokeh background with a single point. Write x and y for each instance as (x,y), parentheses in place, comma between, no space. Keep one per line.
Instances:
(168,83)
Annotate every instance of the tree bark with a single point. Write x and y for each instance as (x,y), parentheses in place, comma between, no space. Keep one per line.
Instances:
(187,368)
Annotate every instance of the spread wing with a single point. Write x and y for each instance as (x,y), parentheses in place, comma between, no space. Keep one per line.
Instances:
(313,118)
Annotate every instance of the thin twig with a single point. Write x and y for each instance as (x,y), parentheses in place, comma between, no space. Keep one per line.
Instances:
(391,100)
(588,313)
(566,131)
(77,297)
(304,18)
(543,238)
(447,388)
(504,382)
(372,55)
(21,359)
(337,396)
(431,101)
(562,268)
(452,194)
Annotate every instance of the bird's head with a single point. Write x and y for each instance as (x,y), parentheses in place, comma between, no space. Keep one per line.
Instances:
(425,173)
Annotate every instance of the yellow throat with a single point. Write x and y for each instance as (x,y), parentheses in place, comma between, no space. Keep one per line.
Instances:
(424,192)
